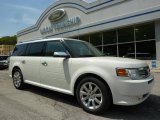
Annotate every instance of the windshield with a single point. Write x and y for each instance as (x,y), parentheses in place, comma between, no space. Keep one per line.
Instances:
(83,49)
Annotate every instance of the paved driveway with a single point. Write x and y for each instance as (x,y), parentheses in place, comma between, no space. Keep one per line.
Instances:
(36,103)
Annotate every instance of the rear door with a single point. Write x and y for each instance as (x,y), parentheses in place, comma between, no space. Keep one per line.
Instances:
(31,61)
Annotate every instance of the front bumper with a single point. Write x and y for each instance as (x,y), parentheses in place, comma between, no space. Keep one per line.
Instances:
(132,92)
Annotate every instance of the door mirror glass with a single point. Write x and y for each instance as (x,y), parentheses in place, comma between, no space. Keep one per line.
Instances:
(61,54)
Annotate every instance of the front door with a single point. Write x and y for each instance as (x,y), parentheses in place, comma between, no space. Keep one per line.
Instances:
(55,71)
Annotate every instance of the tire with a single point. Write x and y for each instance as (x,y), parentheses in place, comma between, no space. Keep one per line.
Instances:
(93,95)
(18,79)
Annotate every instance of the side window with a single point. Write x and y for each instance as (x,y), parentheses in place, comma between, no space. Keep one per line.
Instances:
(19,50)
(54,46)
(35,49)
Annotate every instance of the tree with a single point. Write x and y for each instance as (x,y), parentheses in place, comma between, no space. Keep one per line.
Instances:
(8,40)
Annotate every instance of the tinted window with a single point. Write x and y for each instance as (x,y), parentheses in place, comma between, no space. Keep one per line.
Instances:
(54,46)
(19,50)
(145,32)
(83,49)
(146,50)
(110,50)
(109,37)
(84,38)
(75,37)
(96,39)
(126,35)
(99,48)
(127,50)
(35,49)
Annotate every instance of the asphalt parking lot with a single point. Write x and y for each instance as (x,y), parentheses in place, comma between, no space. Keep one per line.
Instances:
(35,103)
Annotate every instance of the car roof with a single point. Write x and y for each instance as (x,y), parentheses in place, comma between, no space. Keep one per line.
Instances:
(43,40)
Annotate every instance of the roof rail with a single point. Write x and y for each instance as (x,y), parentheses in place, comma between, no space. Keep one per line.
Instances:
(30,40)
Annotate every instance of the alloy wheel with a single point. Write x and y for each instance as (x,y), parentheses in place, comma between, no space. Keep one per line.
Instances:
(91,95)
(17,79)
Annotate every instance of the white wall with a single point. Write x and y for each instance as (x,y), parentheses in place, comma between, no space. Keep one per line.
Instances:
(118,13)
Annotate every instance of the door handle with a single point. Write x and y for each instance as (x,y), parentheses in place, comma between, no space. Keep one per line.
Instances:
(44,64)
(23,62)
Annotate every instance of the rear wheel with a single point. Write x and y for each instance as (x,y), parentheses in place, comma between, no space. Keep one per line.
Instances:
(93,95)
(18,79)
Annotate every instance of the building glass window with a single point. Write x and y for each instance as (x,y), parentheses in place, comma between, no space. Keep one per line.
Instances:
(132,42)
(110,50)
(145,32)
(96,39)
(126,35)
(109,37)
(146,50)
(75,37)
(127,50)
(84,38)
(99,48)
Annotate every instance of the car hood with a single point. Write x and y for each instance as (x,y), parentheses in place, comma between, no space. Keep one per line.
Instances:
(119,62)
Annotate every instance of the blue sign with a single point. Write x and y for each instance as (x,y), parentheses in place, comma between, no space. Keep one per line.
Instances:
(154,64)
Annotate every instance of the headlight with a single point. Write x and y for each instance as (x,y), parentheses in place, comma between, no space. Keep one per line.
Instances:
(134,73)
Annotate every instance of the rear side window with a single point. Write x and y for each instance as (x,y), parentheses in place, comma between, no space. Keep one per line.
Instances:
(54,46)
(35,49)
(19,50)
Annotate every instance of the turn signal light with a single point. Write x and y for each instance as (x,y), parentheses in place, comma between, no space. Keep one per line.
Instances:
(122,72)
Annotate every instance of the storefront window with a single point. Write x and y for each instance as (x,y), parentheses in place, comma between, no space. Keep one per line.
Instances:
(96,39)
(126,35)
(145,32)
(76,37)
(127,50)
(130,42)
(84,38)
(110,50)
(99,48)
(146,50)
(109,37)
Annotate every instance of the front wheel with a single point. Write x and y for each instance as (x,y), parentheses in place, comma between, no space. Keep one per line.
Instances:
(93,95)
(18,79)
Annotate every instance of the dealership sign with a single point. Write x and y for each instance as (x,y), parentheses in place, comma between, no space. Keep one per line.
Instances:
(54,17)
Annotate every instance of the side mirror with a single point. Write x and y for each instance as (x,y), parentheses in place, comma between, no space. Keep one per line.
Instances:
(61,54)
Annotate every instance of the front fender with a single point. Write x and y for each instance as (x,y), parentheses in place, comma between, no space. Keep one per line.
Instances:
(92,70)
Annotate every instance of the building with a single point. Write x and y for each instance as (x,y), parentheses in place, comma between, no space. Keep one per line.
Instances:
(6,49)
(125,28)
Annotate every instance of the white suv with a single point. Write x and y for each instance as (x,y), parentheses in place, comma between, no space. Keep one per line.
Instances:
(77,68)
